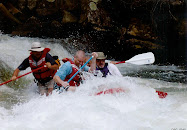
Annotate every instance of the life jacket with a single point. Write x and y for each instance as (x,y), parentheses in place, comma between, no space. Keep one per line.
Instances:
(104,70)
(77,79)
(66,59)
(45,74)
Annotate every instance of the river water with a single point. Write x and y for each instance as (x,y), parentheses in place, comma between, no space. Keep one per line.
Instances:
(139,108)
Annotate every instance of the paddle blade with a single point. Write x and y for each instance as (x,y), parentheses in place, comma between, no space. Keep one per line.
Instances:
(161,94)
(142,59)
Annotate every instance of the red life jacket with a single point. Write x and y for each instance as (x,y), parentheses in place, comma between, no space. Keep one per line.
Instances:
(76,80)
(45,74)
(66,59)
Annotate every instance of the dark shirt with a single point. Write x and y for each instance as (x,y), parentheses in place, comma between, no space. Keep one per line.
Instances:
(25,64)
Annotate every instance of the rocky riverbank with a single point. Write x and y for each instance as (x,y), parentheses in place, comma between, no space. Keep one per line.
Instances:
(120,28)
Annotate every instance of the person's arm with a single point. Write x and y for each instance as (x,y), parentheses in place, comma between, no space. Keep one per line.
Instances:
(114,70)
(15,74)
(113,62)
(51,64)
(22,66)
(93,64)
(61,74)
(58,80)
(53,67)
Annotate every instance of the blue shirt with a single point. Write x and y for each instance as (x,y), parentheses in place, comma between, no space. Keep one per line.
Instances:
(66,69)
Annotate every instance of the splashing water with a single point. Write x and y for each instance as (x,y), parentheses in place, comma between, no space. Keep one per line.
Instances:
(138,108)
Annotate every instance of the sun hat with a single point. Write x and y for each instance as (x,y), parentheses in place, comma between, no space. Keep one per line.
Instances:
(101,55)
(36,46)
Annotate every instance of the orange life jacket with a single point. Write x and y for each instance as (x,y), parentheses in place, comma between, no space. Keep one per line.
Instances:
(76,80)
(45,74)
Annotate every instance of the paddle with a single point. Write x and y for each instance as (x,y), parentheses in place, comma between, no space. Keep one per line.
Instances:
(141,59)
(80,69)
(76,73)
(161,94)
(120,90)
(23,75)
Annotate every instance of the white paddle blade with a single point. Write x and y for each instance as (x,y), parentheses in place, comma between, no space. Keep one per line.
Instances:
(142,59)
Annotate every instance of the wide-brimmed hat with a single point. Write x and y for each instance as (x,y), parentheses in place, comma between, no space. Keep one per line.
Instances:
(101,55)
(36,46)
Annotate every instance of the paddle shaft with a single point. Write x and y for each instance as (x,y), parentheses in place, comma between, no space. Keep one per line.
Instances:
(23,75)
(74,74)
(80,69)
(144,59)
(120,62)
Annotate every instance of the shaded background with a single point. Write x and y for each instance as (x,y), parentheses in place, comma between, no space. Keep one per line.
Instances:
(120,28)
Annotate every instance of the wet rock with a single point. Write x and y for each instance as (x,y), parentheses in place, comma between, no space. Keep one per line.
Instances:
(99,18)
(176,2)
(45,8)
(12,9)
(30,28)
(22,4)
(31,4)
(55,24)
(110,26)
(70,5)
(84,12)
(141,30)
(140,44)
(68,17)
(7,13)
(93,6)
(182,28)
(51,0)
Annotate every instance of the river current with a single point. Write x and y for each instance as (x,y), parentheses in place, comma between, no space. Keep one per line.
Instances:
(139,108)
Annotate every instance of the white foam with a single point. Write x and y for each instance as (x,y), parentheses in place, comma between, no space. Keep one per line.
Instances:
(138,108)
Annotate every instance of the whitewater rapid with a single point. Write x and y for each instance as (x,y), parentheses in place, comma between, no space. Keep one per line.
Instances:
(139,108)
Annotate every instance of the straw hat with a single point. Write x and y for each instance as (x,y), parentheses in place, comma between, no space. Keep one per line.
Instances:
(36,46)
(101,55)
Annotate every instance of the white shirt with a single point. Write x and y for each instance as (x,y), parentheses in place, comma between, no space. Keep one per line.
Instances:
(113,70)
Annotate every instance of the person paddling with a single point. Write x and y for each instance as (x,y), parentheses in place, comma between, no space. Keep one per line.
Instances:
(106,68)
(39,57)
(70,67)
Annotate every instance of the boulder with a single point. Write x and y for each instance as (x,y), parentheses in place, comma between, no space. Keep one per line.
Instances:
(68,17)
(30,28)
(22,4)
(8,15)
(45,8)
(31,4)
